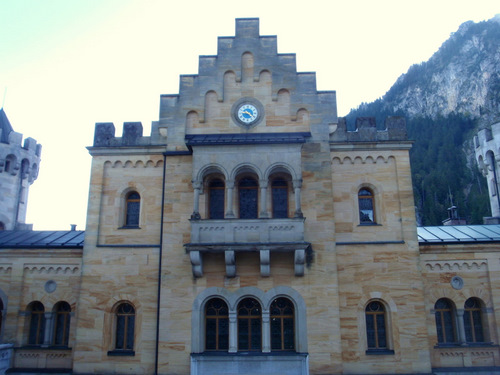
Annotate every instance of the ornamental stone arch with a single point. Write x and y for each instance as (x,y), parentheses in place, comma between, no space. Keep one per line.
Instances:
(233,299)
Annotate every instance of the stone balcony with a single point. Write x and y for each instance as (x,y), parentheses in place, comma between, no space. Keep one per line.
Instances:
(243,235)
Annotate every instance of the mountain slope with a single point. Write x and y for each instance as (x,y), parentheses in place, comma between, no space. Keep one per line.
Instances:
(445,100)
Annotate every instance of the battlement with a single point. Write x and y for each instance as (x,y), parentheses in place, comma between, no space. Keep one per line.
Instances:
(104,135)
(366,130)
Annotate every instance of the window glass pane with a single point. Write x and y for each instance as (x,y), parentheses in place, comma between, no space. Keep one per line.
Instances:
(223,334)
(370,331)
(256,334)
(243,334)
(216,204)
(120,332)
(289,334)
(133,213)
(210,334)
(280,202)
(276,334)
(248,195)
(37,324)
(130,332)
(382,343)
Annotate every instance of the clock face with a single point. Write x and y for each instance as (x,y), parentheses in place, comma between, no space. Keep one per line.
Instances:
(247,113)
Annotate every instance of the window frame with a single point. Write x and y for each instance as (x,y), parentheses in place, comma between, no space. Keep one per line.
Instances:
(123,350)
(281,318)
(129,203)
(244,193)
(211,200)
(36,324)
(473,320)
(253,320)
(218,319)
(441,323)
(66,323)
(370,197)
(280,188)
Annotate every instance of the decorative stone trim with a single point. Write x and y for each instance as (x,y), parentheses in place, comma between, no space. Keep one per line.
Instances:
(52,269)
(457,265)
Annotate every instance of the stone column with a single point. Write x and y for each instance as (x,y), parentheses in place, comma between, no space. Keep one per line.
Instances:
(263,198)
(461,327)
(233,332)
(297,186)
(48,329)
(196,200)
(266,332)
(229,199)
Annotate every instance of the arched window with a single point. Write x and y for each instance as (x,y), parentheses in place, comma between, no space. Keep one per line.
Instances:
(474,331)
(282,324)
(125,326)
(2,226)
(279,189)
(376,323)
(132,209)
(36,324)
(249,325)
(10,162)
(366,206)
(216,199)
(216,325)
(445,321)
(248,198)
(62,311)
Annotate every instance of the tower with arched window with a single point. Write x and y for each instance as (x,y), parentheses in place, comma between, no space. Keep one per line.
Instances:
(19,165)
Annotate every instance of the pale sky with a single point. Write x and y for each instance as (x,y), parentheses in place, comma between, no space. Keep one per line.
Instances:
(67,64)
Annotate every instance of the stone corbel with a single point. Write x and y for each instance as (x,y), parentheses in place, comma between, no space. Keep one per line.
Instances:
(265,264)
(230,263)
(300,259)
(196,263)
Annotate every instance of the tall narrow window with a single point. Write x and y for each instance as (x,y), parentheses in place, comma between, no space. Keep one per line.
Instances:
(37,323)
(445,321)
(366,207)
(125,324)
(248,195)
(216,199)
(62,318)
(279,190)
(282,324)
(2,226)
(376,332)
(472,321)
(133,206)
(249,325)
(216,325)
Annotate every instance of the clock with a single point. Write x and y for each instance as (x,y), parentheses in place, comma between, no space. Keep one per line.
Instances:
(247,113)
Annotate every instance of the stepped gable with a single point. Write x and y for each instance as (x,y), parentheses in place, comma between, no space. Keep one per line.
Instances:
(246,66)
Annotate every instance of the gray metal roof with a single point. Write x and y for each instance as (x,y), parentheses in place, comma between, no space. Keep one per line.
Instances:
(458,234)
(245,138)
(32,239)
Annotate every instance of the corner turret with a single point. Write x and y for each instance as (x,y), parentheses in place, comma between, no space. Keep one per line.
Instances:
(19,165)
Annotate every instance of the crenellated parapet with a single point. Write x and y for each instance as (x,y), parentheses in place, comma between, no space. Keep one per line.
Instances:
(366,130)
(104,135)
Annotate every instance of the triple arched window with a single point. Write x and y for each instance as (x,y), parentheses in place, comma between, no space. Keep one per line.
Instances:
(248,202)
(249,326)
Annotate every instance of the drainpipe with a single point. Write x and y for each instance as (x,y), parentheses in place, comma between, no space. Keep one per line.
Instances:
(160,257)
